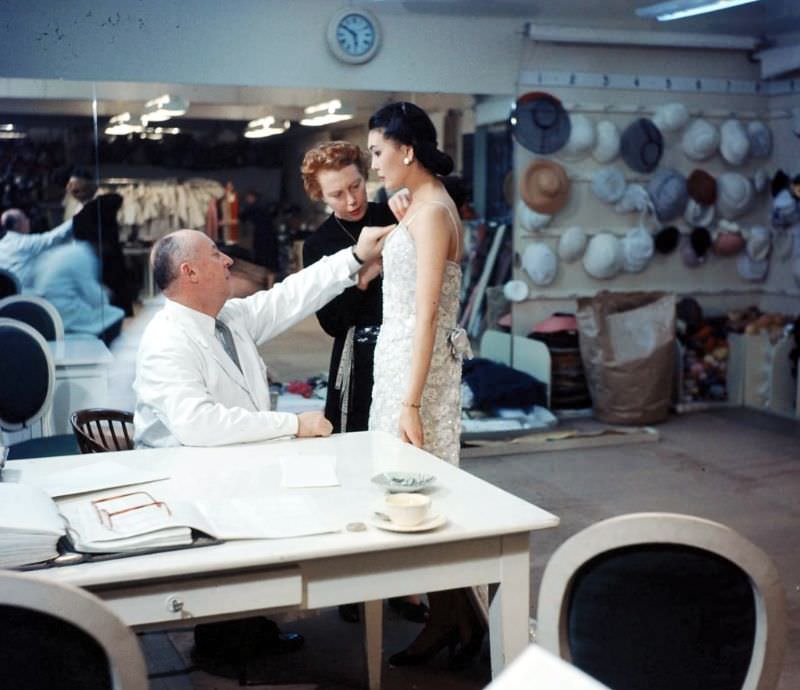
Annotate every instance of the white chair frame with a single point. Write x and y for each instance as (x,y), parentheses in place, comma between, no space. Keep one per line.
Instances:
(45,411)
(58,322)
(87,612)
(669,528)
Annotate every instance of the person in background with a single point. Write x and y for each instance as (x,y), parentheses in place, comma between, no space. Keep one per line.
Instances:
(19,249)
(68,277)
(257,215)
(416,394)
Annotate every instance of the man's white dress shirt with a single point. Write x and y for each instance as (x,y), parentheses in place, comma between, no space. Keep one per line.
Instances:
(188,390)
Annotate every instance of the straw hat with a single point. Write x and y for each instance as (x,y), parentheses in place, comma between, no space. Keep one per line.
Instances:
(545,186)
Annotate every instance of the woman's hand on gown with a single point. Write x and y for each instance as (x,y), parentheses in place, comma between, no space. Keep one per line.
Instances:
(370,242)
(411,427)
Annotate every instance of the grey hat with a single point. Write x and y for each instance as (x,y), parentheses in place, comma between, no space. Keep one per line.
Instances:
(637,250)
(735,195)
(667,190)
(608,184)
(642,145)
(540,123)
(734,144)
(700,140)
(760,136)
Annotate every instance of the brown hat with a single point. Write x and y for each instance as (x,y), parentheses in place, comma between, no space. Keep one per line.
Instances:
(545,186)
(702,187)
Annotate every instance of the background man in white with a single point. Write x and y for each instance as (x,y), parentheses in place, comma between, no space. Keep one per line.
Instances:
(189,389)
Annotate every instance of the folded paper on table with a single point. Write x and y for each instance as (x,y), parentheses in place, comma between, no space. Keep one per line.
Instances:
(308,471)
(104,474)
(30,525)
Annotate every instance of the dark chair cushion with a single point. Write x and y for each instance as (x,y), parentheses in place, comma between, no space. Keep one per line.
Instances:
(33,314)
(24,375)
(45,447)
(662,617)
(42,652)
(8,284)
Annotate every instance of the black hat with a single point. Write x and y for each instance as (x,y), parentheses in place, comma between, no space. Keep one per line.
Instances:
(701,241)
(780,181)
(540,122)
(642,145)
(666,239)
(98,218)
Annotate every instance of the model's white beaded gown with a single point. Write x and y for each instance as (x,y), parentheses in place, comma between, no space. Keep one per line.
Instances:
(441,398)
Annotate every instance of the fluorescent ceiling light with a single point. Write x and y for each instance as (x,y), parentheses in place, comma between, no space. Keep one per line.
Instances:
(325,114)
(122,124)
(157,133)
(164,107)
(7,131)
(679,9)
(264,127)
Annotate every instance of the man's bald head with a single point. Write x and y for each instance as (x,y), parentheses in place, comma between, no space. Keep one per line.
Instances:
(172,250)
(15,220)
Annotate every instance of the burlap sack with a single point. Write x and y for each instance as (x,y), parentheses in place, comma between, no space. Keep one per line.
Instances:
(627,343)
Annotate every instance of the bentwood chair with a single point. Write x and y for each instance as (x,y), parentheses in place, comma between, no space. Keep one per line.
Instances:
(36,312)
(58,636)
(101,431)
(664,601)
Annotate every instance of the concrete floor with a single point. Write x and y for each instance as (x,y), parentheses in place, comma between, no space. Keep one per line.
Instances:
(736,466)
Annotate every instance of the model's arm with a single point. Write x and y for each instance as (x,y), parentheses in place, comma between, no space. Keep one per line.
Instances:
(431,230)
(37,243)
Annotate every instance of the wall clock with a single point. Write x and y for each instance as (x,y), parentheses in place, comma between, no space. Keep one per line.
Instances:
(354,35)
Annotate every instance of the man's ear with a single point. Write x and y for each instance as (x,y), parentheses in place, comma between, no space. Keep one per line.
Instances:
(187,271)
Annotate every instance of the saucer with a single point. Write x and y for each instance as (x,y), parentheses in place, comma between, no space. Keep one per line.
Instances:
(403,482)
(431,522)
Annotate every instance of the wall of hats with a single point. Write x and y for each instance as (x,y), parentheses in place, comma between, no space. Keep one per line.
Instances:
(649,188)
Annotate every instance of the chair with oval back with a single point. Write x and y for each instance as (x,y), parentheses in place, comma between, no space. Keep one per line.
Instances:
(36,312)
(9,283)
(101,431)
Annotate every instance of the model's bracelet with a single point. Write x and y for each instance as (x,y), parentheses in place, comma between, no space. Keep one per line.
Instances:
(357,257)
(416,406)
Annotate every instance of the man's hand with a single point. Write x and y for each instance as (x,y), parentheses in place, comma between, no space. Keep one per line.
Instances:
(399,203)
(313,424)
(370,271)
(370,242)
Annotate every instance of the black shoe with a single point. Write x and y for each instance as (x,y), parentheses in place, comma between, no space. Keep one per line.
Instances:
(350,613)
(416,613)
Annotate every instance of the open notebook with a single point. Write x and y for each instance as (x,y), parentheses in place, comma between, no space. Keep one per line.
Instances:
(32,524)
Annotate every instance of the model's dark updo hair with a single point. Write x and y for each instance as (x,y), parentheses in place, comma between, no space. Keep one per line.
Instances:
(409,124)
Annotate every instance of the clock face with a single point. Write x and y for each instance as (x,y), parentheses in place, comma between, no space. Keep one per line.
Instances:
(354,35)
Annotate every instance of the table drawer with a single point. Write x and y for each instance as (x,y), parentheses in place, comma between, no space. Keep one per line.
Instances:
(207,596)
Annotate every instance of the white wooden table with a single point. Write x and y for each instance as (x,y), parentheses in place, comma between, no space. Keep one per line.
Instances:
(486,540)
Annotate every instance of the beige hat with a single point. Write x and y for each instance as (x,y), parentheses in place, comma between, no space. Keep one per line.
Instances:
(572,244)
(734,143)
(700,140)
(671,117)
(735,195)
(603,258)
(607,139)
(759,243)
(545,186)
(637,250)
(581,138)
(529,220)
(540,263)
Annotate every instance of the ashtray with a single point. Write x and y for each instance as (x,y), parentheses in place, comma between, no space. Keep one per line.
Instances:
(397,482)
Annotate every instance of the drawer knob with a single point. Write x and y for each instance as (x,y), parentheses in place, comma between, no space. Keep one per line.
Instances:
(174,604)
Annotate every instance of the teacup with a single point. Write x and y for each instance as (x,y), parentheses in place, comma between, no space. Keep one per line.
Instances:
(406,510)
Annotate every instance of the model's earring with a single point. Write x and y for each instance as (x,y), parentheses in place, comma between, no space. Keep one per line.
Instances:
(406,161)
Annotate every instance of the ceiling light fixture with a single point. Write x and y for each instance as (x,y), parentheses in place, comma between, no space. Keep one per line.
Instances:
(325,114)
(7,131)
(121,125)
(264,127)
(679,9)
(164,107)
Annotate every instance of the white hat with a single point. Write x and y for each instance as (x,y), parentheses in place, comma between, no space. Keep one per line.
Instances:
(734,143)
(635,198)
(671,117)
(637,249)
(581,138)
(700,140)
(608,184)
(698,215)
(735,195)
(759,243)
(515,291)
(606,147)
(760,136)
(753,271)
(540,263)
(529,219)
(784,209)
(571,244)
(760,180)
(603,258)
